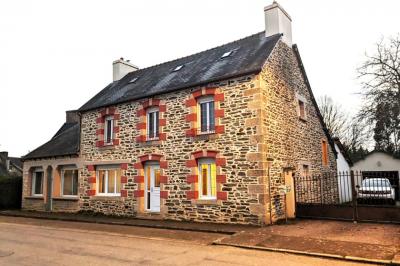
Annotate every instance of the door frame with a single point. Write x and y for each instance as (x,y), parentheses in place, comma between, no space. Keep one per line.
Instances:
(290,197)
(147,194)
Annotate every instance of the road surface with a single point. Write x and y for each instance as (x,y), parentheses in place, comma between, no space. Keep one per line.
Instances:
(26,241)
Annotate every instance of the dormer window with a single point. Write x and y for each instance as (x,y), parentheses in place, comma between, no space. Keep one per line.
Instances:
(177,68)
(206,114)
(226,54)
(152,123)
(133,80)
(108,130)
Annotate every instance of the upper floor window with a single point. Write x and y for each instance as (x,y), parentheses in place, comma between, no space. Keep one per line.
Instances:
(324,152)
(109,130)
(207,179)
(207,114)
(301,107)
(108,182)
(152,123)
(69,182)
(37,183)
(302,110)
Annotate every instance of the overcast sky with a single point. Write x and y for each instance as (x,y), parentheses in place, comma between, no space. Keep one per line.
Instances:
(56,55)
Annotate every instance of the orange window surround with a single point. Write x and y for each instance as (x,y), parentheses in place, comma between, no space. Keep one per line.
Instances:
(324,152)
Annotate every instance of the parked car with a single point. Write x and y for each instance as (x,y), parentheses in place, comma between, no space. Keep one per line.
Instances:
(376,189)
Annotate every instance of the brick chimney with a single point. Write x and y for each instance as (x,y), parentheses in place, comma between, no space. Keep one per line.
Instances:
(277,20)
(122,67)
(72,117)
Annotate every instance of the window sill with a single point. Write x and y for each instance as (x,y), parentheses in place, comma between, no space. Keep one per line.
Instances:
(107,147)
(205,136)
(206,202)
(303,119)
(35,197)
(150,142)
(70,198)
(211,132)
(106,198)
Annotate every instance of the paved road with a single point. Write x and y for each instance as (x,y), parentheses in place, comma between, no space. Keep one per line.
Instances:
(41,242)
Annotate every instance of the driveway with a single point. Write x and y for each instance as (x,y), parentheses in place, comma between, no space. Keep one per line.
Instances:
(26,241)
(362,240)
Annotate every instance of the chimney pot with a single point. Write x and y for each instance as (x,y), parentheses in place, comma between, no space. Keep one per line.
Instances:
(277,20)
(72,117)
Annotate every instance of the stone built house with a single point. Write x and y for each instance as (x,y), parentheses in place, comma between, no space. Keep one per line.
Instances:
(209,137)
(10,166)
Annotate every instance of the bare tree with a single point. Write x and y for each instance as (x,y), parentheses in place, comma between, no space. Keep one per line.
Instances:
(350,131)
(380,77)
(335,119)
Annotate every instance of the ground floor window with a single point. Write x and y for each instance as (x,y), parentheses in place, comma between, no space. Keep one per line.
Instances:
(207,179)
(69,182)
(109,182)
(37,183)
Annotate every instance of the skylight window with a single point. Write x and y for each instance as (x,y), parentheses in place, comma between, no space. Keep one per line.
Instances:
(226,54)
(133,80)
(177,68)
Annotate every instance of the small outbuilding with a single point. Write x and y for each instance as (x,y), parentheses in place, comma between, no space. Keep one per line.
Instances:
(380,164)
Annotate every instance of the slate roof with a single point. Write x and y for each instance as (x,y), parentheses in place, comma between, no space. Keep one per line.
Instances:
(16,161)
(248,56)
(65,142)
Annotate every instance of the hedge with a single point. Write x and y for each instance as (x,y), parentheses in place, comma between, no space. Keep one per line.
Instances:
(10,192)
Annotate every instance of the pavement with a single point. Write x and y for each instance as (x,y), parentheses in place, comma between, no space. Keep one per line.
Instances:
(102,219)
(26,241)
(360,242)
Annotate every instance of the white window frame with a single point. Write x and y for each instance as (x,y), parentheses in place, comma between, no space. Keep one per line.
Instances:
(34,183)
(150,111)
(106,182)
(207,161)
(201,100)
(62,183)
(108,118)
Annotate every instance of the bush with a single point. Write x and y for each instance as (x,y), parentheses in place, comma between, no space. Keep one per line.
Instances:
(10,192)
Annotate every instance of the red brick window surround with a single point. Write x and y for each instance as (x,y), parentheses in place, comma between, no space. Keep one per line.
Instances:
(107,127)
(140,178)
(93,179)
(200,103)
(152,120)
(198,187)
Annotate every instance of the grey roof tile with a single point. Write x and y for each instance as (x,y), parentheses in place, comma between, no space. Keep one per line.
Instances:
(248,56)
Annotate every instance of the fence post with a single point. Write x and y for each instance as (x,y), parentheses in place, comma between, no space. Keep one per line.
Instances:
(354,196)
(320,190)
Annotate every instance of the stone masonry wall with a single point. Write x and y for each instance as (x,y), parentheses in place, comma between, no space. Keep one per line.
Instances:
(290,142)
(37,203)
(234,146)
(258,136)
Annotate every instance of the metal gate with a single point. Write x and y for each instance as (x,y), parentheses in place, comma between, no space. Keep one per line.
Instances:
(357,196)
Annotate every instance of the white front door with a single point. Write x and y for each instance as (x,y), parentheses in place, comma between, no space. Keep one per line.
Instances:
(152,177)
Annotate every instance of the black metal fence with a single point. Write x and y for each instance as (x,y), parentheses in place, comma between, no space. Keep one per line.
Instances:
(363,195)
